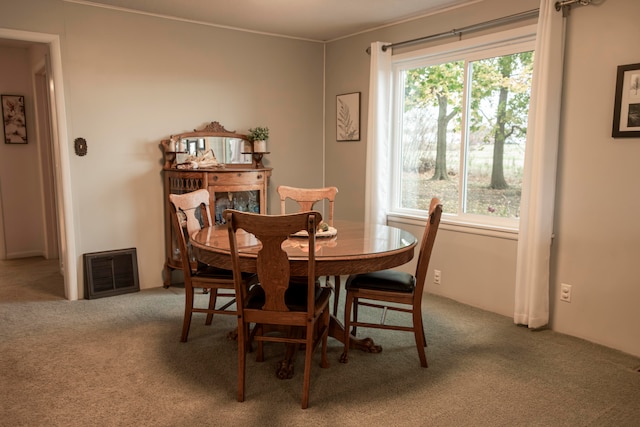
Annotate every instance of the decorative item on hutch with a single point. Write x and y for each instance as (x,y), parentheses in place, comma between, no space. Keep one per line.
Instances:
(258,137)
(213,158)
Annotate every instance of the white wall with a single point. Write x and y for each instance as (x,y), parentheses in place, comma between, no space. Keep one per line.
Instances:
(597,233)
(597,244)
(133,80)
(21,229)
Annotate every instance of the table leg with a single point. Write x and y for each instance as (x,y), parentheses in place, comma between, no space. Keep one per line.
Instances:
(284,369)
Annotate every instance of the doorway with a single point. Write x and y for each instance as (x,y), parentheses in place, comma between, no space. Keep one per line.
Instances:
(54,157)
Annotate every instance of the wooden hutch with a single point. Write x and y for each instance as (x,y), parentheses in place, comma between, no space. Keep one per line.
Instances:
(238,181)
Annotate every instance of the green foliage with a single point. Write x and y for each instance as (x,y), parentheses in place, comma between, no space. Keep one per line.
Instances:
(437,86)
(429,85)
(258,134)
(498,95)
(510,74)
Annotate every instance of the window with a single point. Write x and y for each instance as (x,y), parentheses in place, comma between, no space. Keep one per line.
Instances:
(459,128)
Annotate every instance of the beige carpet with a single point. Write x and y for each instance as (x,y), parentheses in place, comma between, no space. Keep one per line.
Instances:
(118,361)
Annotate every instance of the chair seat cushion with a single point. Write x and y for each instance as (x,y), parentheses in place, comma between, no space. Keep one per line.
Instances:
(295,297)
(210,272)
(386,280)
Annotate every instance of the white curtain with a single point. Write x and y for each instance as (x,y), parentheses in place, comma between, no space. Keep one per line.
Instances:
(377,189)
(538,190)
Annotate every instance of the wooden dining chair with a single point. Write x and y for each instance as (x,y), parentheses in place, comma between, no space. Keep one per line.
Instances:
(306,198)
(303,308)
(190,212)
(402,290)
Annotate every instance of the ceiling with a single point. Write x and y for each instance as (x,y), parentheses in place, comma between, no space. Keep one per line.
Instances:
(318,20)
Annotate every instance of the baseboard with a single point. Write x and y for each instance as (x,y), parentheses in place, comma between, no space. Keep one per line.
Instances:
(28,254)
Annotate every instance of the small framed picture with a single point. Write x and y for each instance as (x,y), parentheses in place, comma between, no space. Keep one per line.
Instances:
(626,110)
(348,117)
(15,123)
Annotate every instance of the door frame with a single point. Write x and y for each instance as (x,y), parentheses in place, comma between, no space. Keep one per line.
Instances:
(61,156)
(43,114)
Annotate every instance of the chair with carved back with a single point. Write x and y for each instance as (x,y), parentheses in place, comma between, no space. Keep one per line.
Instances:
(394,290)
(300,310)
(306,198)
(191,212)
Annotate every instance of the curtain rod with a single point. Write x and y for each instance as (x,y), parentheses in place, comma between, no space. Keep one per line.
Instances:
(474,27)
(564,5)
(568,3)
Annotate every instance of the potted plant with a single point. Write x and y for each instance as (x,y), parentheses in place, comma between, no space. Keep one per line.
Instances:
(259,136)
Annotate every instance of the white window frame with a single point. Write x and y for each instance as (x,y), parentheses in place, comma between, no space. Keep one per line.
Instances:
(496,44)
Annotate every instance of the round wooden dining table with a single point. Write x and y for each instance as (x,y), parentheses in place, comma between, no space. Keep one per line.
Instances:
(355,248)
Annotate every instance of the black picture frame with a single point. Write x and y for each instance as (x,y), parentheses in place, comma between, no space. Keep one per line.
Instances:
(14,119)
(348,117)
(626,108)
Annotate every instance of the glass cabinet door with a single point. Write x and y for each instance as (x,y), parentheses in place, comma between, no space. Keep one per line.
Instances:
(245,201)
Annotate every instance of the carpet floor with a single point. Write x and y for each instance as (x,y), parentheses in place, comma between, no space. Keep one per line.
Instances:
(117,361)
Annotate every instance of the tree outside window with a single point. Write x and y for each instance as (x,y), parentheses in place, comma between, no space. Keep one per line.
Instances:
(463,131)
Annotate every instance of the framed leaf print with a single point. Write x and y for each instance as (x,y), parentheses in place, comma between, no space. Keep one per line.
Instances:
(348,117)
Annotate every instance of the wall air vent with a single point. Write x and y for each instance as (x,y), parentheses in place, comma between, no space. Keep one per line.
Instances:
(110,273)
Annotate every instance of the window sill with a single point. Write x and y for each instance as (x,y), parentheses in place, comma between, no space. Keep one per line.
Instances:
(459,226)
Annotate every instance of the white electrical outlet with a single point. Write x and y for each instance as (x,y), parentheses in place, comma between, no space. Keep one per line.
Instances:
(436,277)
(565,292)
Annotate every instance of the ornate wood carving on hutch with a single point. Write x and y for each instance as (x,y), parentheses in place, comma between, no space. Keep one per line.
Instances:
(241,186)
